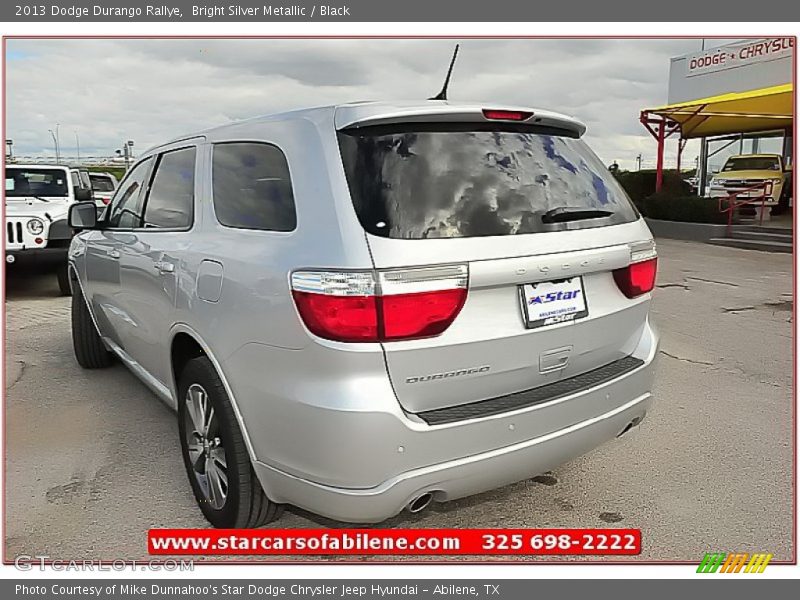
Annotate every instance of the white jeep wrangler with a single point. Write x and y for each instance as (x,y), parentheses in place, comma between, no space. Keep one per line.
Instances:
(37,200)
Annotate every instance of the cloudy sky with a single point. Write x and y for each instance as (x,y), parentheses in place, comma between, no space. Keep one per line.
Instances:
(151,90)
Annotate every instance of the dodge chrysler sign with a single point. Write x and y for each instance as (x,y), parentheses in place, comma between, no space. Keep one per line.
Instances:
(738,55)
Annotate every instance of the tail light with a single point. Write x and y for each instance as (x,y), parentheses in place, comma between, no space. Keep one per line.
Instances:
(106,200)
(363,306)
(639,277)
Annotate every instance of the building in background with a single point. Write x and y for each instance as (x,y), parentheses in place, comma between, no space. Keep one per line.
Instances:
(737,98)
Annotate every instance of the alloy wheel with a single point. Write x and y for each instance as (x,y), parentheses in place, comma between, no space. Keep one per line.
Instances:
(206,452)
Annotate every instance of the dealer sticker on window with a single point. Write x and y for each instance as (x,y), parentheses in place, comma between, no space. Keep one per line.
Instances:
(549,302)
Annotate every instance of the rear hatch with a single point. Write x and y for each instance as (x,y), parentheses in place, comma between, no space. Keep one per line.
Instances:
(537,222)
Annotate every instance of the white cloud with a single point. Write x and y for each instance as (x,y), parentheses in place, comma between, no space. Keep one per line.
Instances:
(151,90)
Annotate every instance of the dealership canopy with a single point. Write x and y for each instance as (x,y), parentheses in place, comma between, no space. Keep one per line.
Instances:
(754,110)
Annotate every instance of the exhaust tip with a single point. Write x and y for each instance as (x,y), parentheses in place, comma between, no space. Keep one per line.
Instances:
(630,426)
(420,503)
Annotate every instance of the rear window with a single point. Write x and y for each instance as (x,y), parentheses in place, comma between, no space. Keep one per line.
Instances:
(419,182)
(753,163)
(101,183)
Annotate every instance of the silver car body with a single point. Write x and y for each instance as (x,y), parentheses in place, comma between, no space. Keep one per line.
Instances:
(340,428)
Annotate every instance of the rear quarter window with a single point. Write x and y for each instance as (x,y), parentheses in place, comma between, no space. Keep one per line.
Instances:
(252,187)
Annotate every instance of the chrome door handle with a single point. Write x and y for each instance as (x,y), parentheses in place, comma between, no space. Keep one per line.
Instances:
(113,254)
(164,267)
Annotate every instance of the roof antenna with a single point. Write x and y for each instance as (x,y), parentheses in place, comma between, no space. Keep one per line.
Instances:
(443,94)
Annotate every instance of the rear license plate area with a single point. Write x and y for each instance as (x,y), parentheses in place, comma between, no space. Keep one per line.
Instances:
(550,302)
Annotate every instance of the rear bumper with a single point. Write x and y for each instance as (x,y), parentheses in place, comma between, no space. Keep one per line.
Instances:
(420,458)
(457,478)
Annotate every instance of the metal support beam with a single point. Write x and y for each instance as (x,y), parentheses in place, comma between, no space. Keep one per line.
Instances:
(681,146)
(702,167)
(657,126)
(660,157)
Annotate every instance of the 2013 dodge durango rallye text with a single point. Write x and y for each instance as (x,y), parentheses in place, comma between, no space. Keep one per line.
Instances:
(172,12)
(365,308)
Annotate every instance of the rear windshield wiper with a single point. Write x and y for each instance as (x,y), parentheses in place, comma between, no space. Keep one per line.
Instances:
(563,214)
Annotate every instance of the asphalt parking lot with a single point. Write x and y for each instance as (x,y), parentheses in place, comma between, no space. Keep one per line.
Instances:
(93,459)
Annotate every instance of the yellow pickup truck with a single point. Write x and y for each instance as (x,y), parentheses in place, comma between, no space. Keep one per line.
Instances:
(748,170)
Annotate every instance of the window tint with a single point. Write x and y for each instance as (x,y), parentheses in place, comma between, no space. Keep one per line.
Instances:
(170,202)
(85,181)
(252,189)
(419,182)
(101,183)
(35,182)
(126,206)
(753,163)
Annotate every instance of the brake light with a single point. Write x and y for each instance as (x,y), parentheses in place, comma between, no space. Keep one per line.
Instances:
(106,200)
(639,277)
(409,316)
(342,318)
(387,306)
(506,115)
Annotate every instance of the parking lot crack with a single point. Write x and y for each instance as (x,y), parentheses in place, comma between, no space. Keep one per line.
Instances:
(714,281)
(737,309)
(689,360)
(674,285)
(19,374)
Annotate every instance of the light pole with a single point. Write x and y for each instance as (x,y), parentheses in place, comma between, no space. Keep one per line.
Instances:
(78,146)
(55,144)
(702,160)
(126,152)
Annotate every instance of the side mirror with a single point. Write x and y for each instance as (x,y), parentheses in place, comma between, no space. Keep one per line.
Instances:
(82,215)
(83,194)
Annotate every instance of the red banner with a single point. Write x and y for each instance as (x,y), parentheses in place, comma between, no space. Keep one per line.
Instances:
(414,542)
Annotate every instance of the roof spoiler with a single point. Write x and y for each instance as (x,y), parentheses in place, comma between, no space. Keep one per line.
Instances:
(367,115)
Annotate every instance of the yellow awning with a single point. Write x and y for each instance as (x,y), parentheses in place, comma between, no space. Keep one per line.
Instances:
(741,112)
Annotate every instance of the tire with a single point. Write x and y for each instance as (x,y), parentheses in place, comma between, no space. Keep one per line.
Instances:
(781,207)
(63,281)
(89,349)
(783,202)
(214,453)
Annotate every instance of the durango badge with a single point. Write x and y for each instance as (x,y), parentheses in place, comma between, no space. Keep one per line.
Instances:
(448,374)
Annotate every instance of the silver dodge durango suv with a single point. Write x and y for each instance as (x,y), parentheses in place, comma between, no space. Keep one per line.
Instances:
(367,307)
